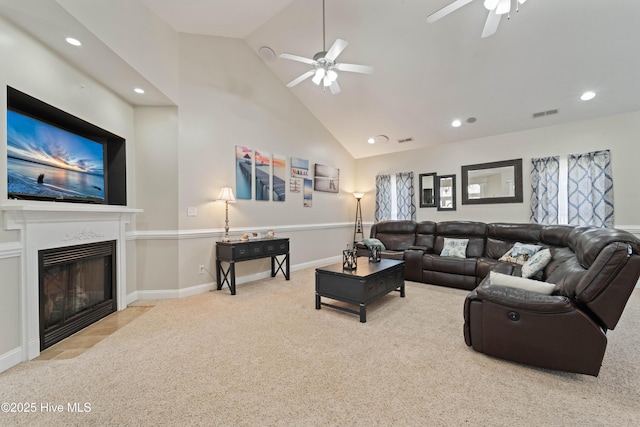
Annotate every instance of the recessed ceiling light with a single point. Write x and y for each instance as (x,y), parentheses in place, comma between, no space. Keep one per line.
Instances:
(138,90)
(73,42)
(456,123)
(588,95)
(371,141)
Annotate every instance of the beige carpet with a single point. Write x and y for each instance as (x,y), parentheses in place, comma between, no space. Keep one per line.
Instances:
(266,357)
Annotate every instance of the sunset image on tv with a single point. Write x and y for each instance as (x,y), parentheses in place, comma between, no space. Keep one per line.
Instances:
(49,162)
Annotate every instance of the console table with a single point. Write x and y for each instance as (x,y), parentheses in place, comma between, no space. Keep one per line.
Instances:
(238,250)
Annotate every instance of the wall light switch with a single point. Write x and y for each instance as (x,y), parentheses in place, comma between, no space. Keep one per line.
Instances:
(192,212)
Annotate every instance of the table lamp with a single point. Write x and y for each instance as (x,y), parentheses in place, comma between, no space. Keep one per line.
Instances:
(226,196)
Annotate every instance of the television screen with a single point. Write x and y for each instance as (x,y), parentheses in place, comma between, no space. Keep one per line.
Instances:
(47,162)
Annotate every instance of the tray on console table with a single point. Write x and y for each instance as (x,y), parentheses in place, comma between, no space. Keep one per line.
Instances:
(245,250)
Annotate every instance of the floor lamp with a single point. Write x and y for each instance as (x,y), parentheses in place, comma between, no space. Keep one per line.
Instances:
(226,196)
(358,227)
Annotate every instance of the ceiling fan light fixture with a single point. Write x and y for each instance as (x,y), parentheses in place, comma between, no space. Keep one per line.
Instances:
(504,6)
(317,78)
(332,75)
(491,4)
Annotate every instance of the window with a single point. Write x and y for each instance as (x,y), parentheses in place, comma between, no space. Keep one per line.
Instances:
(576,190)
(395,197)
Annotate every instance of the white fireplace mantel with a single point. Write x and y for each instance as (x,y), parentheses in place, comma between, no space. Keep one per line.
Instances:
(46,225)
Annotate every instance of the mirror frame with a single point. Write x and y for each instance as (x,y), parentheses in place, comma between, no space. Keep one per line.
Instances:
(453,191)
(423,204)
(517,172)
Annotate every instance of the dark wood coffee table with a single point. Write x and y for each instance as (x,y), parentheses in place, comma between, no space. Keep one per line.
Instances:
(361,286)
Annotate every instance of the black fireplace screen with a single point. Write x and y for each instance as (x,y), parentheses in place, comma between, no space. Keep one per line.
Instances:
(77,288)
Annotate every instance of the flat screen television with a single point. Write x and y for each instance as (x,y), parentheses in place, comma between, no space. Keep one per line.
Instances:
(47,162)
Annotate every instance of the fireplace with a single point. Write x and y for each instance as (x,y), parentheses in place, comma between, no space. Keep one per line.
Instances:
(77,287)
(43,226)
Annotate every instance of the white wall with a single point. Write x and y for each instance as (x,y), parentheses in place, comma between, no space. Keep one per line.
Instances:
(619,133)
(229,97)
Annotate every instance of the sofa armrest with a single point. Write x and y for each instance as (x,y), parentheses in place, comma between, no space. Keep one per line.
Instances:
(417,248)
(522,299)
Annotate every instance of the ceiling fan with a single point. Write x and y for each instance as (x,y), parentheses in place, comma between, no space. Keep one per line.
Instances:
(496,8)
(324,66)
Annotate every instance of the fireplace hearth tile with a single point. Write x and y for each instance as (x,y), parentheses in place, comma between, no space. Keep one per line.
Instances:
(83,340)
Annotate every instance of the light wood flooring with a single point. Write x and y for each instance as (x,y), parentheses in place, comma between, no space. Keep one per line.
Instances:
(83,340)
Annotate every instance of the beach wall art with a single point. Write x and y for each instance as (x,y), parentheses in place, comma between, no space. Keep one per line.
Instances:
(244,172)
(279,177)
(263,175)
(326,178)
(308,193)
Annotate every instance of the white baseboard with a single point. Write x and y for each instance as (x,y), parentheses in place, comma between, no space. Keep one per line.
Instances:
(199,289)
(10,359)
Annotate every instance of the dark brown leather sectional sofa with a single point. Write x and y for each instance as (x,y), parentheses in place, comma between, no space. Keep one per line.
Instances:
(594,271)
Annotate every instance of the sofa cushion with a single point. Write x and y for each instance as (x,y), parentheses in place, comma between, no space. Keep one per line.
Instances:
(426,235)
(452,265)
(515,232)
(374,242)
(536,263)
(499,279)
(476,232)
(485,265)
(399,255)
(520,253)
(396,235)
(455,247)
(496,248)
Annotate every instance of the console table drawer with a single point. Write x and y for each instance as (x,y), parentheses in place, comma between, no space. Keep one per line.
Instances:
(245,250)
(280,247)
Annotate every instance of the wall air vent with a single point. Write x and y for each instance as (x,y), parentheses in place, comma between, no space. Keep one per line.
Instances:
(545,113)
(402,141)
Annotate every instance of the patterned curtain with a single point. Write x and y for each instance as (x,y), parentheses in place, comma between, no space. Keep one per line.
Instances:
(405,196)
(545,174)
(590,187)
(383,198)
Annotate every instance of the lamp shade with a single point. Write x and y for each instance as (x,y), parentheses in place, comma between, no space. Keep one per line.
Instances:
(226,195)
(358,195)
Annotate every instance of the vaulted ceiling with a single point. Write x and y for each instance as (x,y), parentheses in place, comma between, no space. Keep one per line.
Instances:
(426,75)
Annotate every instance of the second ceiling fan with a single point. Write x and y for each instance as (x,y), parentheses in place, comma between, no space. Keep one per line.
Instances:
(324,66)
(496,8)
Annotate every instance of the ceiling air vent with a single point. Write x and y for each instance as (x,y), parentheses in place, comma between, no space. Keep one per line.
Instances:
(545,113)
(402,141)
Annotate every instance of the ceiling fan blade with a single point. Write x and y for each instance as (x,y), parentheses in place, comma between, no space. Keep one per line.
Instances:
(447,10)
(300,78)
(335,49)
(491,26)
(297,58)
(364,69)
(335,87)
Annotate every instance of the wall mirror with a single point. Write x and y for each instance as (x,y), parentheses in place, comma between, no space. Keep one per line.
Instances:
(427,190)
(496,182)
(446,192)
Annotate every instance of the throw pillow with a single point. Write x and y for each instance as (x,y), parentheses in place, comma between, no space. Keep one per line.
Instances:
(520,253)
(536,263)
(499,279)
(374,242)
(455,247)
